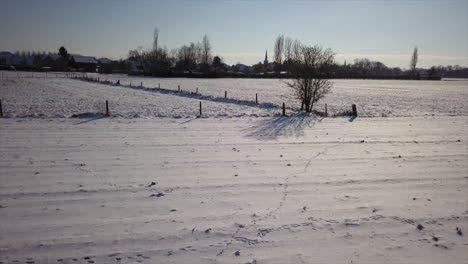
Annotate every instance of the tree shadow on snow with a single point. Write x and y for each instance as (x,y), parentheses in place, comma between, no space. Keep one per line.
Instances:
(283,126)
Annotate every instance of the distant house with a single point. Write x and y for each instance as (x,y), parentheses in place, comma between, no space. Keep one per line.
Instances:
(9,58)
(53,57)
(6,57)
(29,61)
(104,65)
(83,63)
(49,62)
(243,68)
(136,67)
(104,61)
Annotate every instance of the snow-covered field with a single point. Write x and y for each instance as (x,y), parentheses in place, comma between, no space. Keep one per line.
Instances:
(234,190)
(373,97)
(61,97)
(242,185)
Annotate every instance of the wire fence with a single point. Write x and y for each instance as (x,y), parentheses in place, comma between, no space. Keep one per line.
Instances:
(283,108)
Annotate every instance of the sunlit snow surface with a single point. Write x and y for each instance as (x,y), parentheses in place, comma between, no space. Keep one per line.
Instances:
(242,184)
(275,190)
(25,96)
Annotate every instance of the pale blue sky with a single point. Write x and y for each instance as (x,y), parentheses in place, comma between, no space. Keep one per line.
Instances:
(240,31)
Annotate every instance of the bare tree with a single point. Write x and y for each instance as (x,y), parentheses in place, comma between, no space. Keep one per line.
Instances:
(309,68)
(288,45)
(279,48)
(414,62)
(198,53)
(155,38)
(206,49)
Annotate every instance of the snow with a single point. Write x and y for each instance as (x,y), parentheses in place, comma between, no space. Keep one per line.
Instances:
(55,97)
(275,190)
(374,98)
(155,184)
(60,97)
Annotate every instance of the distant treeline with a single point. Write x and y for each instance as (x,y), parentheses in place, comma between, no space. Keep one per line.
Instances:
(196,60)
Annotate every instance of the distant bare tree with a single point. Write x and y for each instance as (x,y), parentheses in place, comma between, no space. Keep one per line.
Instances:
(414,62)
(278,50)
(206,49)
(197,51)
(189,56)
(288,45)
(296,50)
(134,55)
(309,68)
(155,38)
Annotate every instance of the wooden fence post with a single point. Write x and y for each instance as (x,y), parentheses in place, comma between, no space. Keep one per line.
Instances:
(141,84)
(256,98)
(326,110)
(225,94)
(178,88)
(1,109)
(284,109)
(200,109)
(159,85)
(197,91)
(354,110)
(107,108)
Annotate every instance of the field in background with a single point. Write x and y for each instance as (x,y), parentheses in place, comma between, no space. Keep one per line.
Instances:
(374,98)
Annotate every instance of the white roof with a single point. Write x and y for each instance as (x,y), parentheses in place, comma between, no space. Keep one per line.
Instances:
(105,60)
(6,54)
(84,59)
